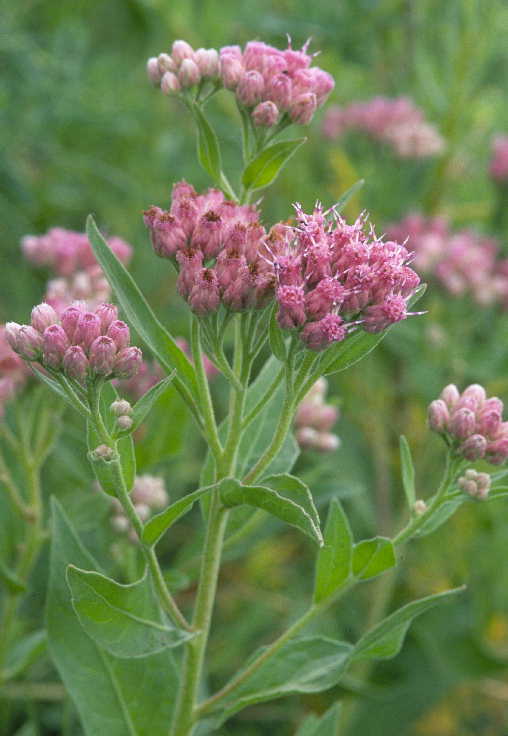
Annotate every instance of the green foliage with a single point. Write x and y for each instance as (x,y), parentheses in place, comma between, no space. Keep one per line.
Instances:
(207,145)
(371,557)
(408,472)
(334,561)
(145,404)
(265,168)
(327,725)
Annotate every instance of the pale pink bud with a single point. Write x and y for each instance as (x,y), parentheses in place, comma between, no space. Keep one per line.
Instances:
(488,422)
(165,64)
(120,407)
(181,50)
(189,74)
(153,71)
(70,318)
(476,392)
(326,442)
(474,447)
(107,313)
(120,523)
(119,332)
(493,404)
(88,328)
(75,363)
(205,296)
(143,511)
(438,416)
(124,422)
(302,109)
(55,343)
(462,423)
(43,315)
(12,334)
(325,417)
(250,88)
(450,395)
(278,89)
(102,355)
(420,507)
(475,484)
(102,452)
(28,342)
(128,362)
(265,114)
(150,490)
(497,451)
(170,83)
(319,335)
(306,437)
(231,69)
(207,61)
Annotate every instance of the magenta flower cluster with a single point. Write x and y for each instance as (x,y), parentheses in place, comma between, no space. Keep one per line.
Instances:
(333,277)
(80,343)
(397,122)
(271,83)
(464,262)
(471,422)
(216,247)
(498,167)
(70,257)
(315,418)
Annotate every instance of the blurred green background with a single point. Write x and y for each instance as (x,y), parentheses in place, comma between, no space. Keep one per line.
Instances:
(82,131)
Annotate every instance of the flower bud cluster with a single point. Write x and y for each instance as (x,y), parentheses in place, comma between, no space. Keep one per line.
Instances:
(215,246)
(464,262)
(333,277)
(13,371)
(122,410)
(472,423)
(148,495)
(397,122)
(80,343)
(269,82)
(475,484)
(498,168)
(314,420)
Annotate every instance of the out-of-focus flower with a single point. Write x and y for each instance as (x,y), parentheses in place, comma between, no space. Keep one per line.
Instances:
(471,423)
(79,342)
(13,371)
(397,122)
(498,167)
(315,418)
(475,484)
(148,495)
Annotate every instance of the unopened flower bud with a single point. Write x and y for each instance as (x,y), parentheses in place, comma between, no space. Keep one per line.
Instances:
(128,362)
(143,511)
(450,395)
(12,330)
(153,71)
(120,523)
(208,62)
(120,407)
(303,108)
(231,69)
(265,114)
(69,319)
(497,451)
(462,423)
(55,343)
(475,484)
(181,50)
(306,437)
(107,313)
(43,315)
(475,392)
(29,343)
(102,355)
(250,88)
(326,442)
(124,422)
(170,83)
(438,416)
(419,507)
(474,447)
(119,332)
(165,64)
(88,328)
(189,74)
(103,452)
(75,363)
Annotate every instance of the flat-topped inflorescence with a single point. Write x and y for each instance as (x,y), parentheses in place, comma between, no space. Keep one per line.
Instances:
(333,278)
(80,343)
(471,423)
(272,84)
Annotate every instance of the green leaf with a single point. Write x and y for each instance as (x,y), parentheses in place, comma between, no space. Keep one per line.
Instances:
(123,619)
(147,401)
(295,490)
(103,469)
(385,640)
(10,580)
(408,472)
(208,146)
(305,665)
(234,494)
(265,168)
(55,386)
(137,311)
(441,516)
(334,560)
(277,344)
(371,557)
(327,725)
(24,653)
(155,528)
(342,202)
(117,697)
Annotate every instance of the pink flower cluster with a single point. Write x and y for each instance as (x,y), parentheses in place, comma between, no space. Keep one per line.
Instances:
(70,256)
(82,344)
(269,82)
(471,423)
(314,420)
(215,245)
(148,495)
(13,371)
(396,121)
(333,277)
(463,261)
(498,168)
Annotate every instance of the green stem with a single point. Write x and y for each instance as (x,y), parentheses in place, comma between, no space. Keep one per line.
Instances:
(267,396)
(210,424)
